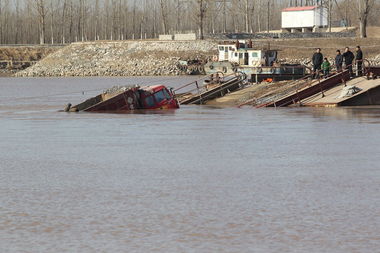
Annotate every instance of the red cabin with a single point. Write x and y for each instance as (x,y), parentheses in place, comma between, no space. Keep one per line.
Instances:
(157,97)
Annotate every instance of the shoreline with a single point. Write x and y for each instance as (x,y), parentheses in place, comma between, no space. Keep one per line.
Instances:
(7,74)
(157,58)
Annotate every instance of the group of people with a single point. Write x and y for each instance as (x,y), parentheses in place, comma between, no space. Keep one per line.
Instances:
(345,60)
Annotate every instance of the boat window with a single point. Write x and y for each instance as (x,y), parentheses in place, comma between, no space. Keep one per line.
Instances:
(160,96)
(255,54)
(150,101)
(221,48)
(236,54)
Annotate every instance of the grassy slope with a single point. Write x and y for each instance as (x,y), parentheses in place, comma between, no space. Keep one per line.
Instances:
(25,53)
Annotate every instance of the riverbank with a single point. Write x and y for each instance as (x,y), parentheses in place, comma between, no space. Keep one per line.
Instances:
(162,58)
(122,58)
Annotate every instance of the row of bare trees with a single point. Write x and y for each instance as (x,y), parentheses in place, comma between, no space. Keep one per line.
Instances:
(64,21)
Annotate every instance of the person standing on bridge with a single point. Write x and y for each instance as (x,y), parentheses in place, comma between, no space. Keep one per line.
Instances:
(339,61)
(359,61)
(348,57)
(317,62)
(326,68)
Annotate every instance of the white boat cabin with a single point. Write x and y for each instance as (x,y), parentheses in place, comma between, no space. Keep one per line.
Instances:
(246,56)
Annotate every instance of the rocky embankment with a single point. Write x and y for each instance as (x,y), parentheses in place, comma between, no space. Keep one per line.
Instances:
(161,58)
(139,58)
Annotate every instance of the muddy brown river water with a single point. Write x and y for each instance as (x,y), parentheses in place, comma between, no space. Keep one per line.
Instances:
(198,179)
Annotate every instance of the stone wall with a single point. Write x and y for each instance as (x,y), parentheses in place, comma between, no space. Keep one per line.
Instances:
(132,58)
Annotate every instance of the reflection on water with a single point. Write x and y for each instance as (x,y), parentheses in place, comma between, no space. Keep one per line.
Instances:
(365,114)
(197,179)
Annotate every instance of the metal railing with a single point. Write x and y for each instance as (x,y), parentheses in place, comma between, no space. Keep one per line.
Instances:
(202,91)
(201,87)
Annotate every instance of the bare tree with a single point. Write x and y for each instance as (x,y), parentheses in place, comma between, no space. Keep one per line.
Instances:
(247,16)
(33,21)
(164,16)
(202,8)
(51,22)
(364,7)
(63,21)
(41,10)
(71,27)
(1,21)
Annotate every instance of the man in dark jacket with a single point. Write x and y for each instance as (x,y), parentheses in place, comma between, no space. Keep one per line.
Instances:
(338,61)
(317,62)
(348,57)
(359,61)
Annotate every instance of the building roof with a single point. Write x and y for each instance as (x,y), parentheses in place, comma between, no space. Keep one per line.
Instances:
(301,8)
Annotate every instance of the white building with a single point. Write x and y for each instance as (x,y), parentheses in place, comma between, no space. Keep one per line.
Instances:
(304,18)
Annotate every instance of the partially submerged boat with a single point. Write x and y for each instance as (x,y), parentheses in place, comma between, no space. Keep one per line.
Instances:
(128,98)
(214,86)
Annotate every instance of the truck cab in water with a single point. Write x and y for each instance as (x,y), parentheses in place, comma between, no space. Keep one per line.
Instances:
(157,97)
(118,99)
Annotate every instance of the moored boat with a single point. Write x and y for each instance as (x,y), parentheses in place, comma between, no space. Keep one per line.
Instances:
(257,64)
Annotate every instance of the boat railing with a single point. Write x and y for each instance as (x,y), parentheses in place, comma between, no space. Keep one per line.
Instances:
(201,85)
(308,80)
(307,83)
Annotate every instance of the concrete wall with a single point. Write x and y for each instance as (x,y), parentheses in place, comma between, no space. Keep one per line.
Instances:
(297,19)
(321,17)
(165,37)
(186,36)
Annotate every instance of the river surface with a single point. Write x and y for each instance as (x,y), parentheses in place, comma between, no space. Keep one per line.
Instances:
(197,179)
